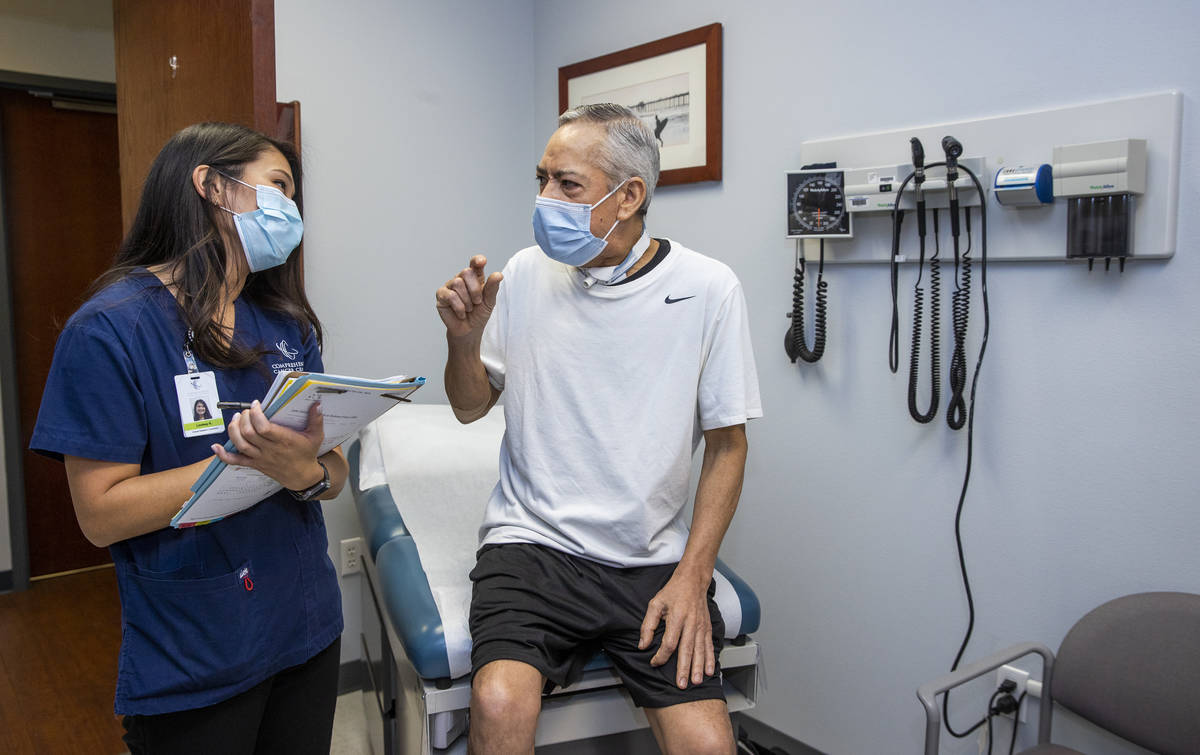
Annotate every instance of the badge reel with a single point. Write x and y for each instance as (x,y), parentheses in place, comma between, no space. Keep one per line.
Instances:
(197,394)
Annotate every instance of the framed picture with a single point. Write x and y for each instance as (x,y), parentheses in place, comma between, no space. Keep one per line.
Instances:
(674,85)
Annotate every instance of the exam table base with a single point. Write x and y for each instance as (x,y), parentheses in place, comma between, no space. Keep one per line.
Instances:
(408,714)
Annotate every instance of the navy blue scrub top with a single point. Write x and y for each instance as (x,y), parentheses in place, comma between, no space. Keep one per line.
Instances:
(207,612)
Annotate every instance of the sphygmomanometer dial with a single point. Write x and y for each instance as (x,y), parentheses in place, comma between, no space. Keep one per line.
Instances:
(817,204)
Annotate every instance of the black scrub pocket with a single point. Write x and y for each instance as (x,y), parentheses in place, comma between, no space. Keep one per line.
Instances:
(186,635)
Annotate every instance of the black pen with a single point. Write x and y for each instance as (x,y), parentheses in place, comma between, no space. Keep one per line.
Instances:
(240,406)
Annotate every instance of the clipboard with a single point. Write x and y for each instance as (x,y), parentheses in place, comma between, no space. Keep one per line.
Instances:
(347,404)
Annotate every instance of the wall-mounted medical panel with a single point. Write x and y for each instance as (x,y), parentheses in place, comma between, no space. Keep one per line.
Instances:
(1034,232)
(875,189)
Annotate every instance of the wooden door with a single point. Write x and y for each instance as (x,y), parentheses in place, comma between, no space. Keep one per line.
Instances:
(180,63)
(63,216)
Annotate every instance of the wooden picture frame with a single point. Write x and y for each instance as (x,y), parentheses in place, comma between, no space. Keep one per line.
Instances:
(675,84)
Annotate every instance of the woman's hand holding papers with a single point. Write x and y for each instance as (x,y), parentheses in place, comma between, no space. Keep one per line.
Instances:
(287,456)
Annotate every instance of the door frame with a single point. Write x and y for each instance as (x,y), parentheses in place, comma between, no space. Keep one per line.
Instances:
(70,90)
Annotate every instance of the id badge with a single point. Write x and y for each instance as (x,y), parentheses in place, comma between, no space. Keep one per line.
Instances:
(197,392)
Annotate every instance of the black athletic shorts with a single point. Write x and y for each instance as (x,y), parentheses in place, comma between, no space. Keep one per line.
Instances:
(554,611)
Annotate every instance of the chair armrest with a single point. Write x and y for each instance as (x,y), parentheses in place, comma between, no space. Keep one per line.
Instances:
(929,691)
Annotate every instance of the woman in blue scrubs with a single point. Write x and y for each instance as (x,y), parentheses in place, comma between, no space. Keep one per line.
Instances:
(230,631)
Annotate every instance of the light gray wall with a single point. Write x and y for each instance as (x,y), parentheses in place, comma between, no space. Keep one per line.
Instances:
(417,120)
(1084,483)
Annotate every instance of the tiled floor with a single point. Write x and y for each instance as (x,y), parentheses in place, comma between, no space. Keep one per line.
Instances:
(349,727)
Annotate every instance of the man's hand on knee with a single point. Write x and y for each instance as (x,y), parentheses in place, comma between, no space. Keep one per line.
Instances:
(683,604)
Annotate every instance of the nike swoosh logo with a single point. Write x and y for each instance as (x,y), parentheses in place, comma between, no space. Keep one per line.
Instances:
(669,300)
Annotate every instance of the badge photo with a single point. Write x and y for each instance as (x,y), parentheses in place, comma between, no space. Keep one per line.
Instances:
(198,412)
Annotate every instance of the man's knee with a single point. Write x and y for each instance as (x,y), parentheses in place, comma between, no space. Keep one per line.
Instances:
(709,741)
(715,743)
(506,691)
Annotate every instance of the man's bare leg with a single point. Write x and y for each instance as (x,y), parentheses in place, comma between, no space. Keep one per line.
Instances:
(506,697)
(696,728)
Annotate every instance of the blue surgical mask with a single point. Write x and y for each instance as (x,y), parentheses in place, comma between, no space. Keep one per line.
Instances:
(607,276)
(270,233)
(564,229)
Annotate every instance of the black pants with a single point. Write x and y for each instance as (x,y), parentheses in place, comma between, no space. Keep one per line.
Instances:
(292,712)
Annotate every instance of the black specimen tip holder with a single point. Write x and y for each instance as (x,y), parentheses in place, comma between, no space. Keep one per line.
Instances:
(1100,226)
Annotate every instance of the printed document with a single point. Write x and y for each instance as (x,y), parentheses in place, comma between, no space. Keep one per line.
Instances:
(347,404)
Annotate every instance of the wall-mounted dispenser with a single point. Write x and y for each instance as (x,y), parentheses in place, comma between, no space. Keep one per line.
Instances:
(1024,186)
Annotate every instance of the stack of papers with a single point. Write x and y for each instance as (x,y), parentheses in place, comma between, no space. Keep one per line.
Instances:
(347,404)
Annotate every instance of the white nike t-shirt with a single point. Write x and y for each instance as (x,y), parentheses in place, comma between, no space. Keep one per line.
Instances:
(607,390)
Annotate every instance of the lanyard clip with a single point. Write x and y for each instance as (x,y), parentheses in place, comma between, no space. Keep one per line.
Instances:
(192,369)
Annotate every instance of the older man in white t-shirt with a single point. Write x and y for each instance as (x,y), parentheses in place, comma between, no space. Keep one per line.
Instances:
(616,353)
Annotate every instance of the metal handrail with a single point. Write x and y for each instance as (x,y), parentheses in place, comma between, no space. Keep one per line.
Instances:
(929,691)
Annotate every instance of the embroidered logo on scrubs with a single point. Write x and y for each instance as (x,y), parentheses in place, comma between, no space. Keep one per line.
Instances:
(287,353)
(244,575)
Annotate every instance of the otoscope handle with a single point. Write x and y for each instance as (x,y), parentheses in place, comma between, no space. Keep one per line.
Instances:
(953,149)
(918,161)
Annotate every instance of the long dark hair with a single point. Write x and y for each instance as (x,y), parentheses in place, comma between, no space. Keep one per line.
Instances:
(175,225)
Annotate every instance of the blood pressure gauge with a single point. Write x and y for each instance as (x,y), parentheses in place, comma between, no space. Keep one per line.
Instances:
(816,204)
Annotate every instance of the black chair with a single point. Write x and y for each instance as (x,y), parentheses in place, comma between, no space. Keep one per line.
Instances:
(1131,667)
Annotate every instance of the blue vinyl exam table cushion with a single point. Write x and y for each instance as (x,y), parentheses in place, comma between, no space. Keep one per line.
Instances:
(406,594)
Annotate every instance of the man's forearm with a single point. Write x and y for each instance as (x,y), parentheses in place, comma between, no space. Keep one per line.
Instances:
(717,495)
(471,394)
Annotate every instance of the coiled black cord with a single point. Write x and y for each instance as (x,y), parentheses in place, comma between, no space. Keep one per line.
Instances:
(893,349)
(962,497)
(795,341)
(956,412)
(935,322)
(894,337)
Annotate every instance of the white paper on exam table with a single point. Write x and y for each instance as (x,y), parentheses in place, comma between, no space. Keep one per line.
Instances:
(441,473)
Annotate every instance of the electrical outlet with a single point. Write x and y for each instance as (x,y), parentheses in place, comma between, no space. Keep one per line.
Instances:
(1021,679)
(352,556)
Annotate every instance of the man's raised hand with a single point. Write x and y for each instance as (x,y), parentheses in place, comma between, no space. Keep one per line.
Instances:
(465,303)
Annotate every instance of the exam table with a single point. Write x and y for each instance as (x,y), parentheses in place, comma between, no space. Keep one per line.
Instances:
(420,481)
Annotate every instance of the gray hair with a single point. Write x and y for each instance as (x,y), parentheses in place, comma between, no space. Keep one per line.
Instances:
(629,148)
